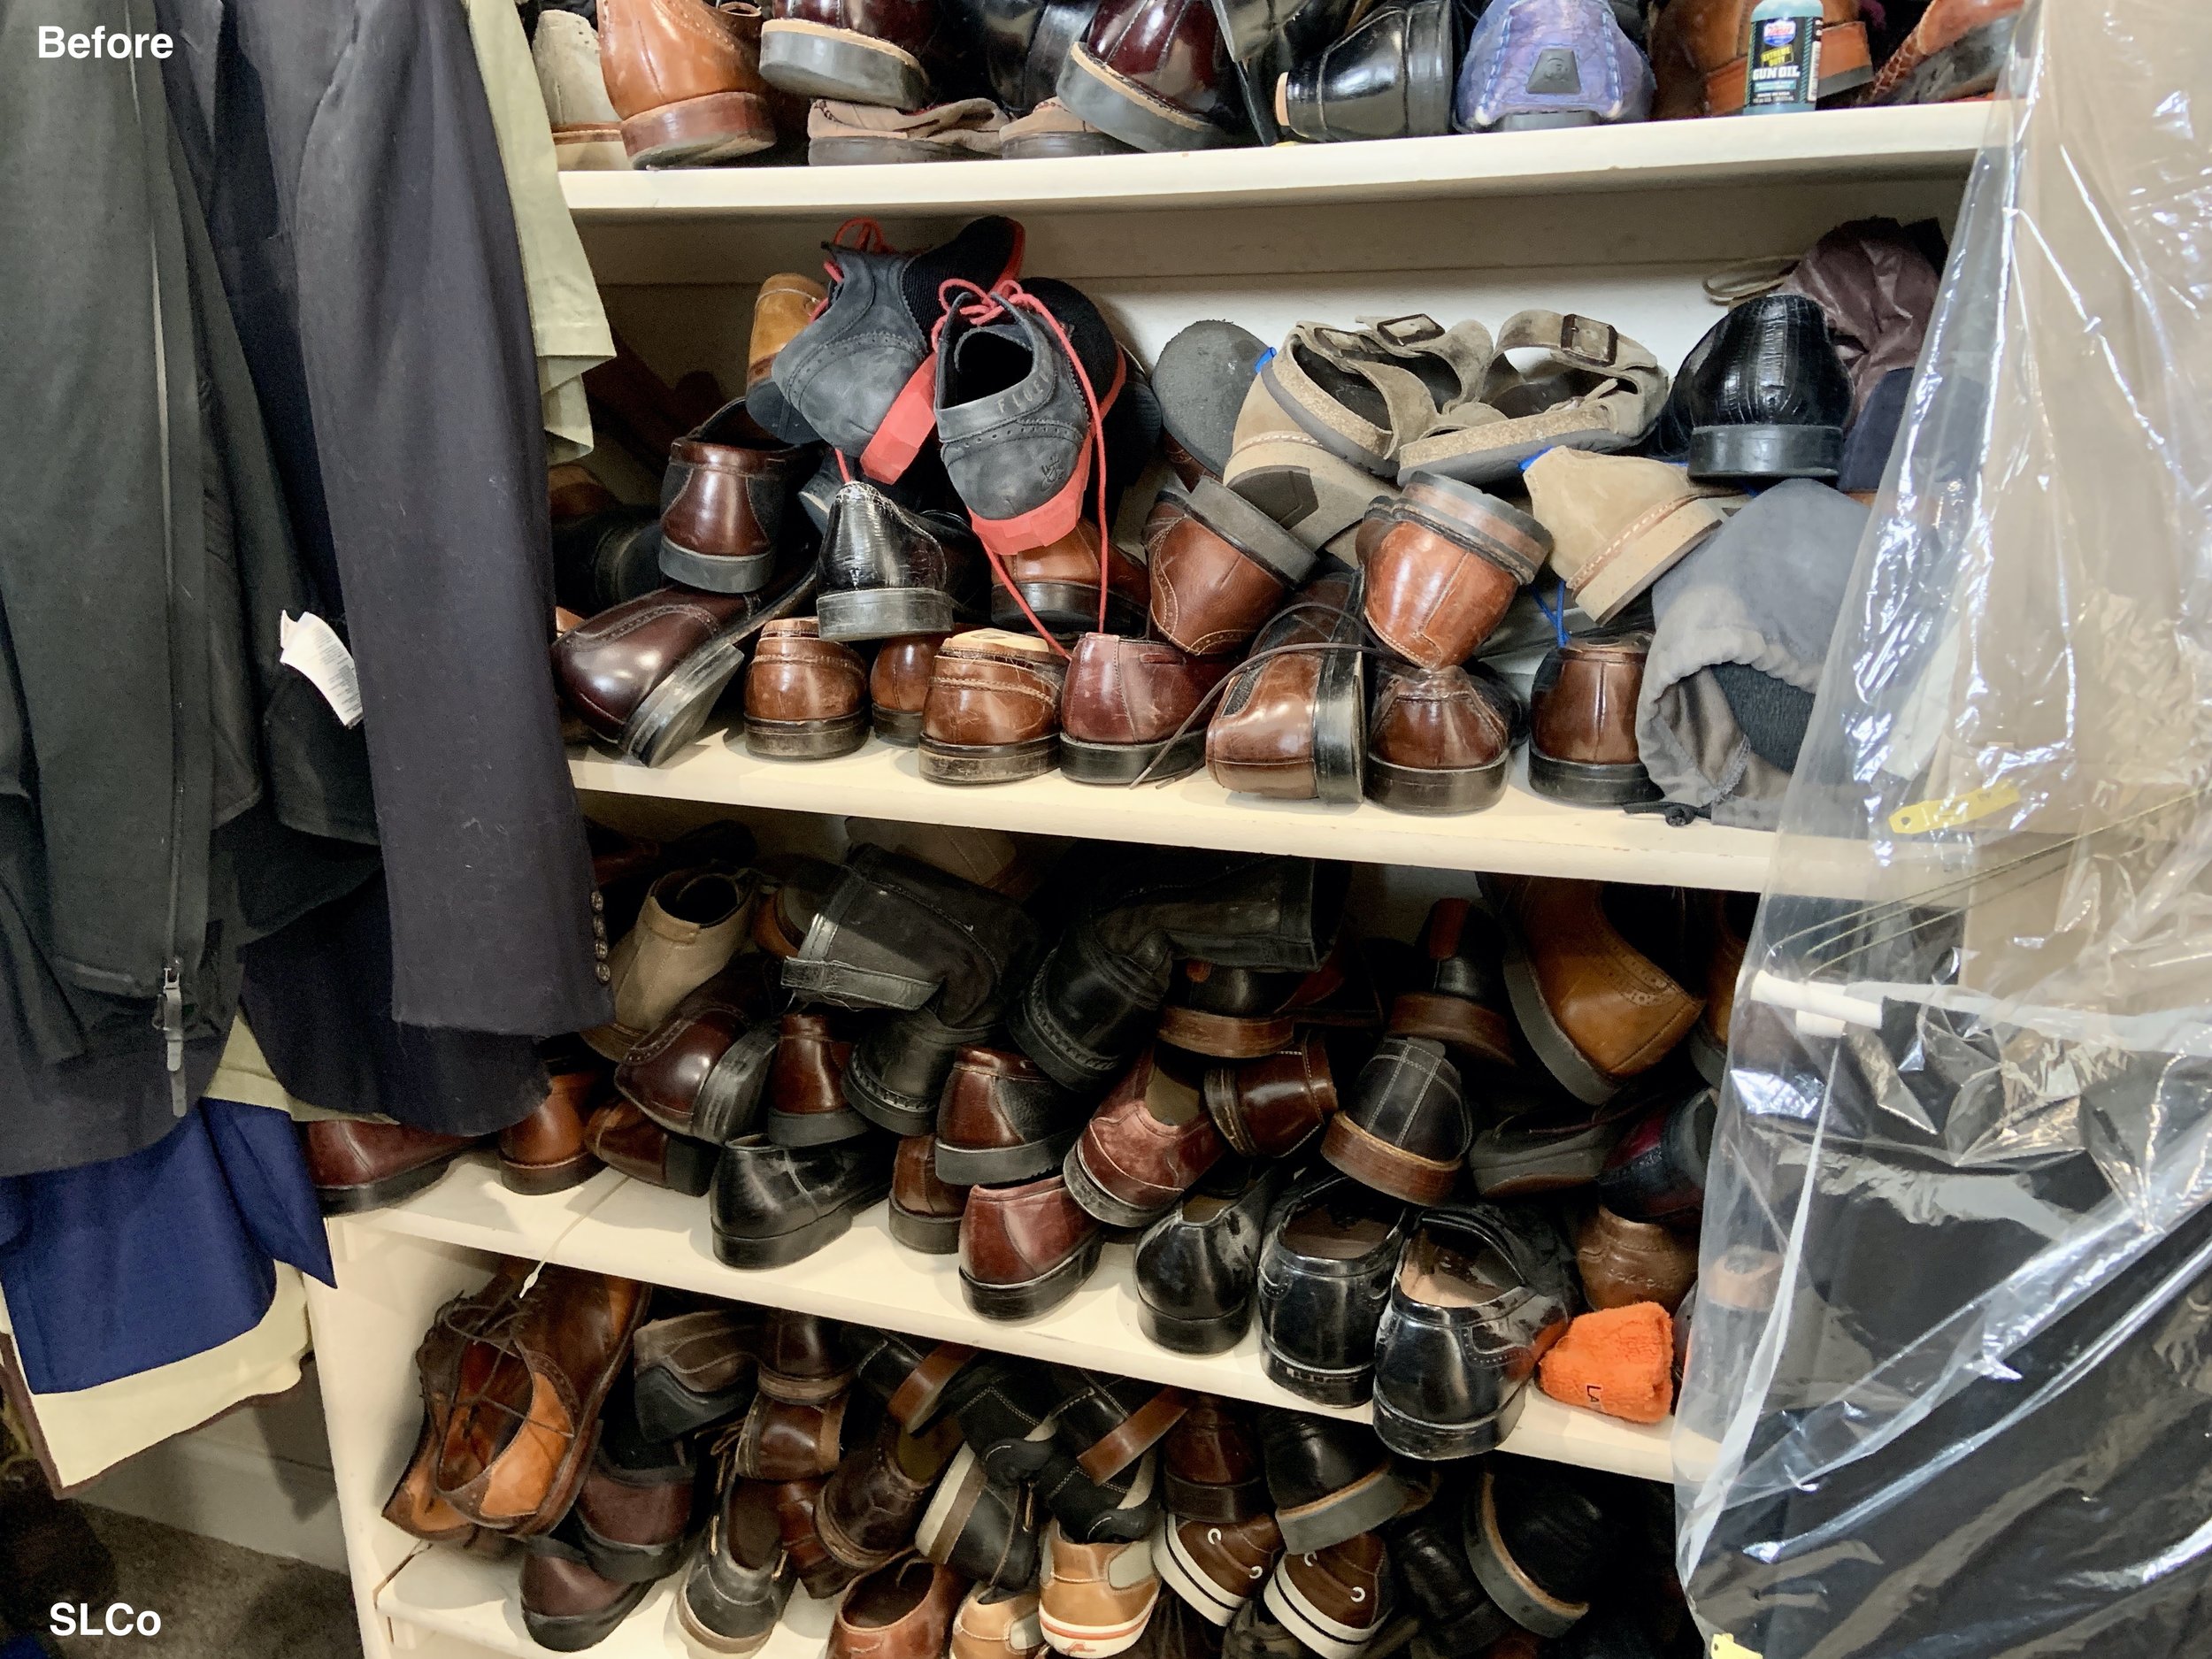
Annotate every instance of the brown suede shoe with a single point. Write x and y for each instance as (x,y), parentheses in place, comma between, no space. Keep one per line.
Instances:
(693,922)
(1439,741)
(1220,567)
(925,1211)
(806,698)
(1209,1465)
(1267,1107)
(1146,1146)
(1582,723)
(357,1165)
(1124,700)
(806,1102)
(1443,561)
(545,1152)
(685,77)
(1623,1261)
(994,709)
(702,1071)
(623,1137)
(898,686)
(1024,1249)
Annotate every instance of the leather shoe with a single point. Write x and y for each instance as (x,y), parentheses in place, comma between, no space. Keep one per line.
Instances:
(806,1102)
(898,687)
(1442,563)
(1582,732)
(1439,740)
(1128,709)
(1236,1013)
(633,1514)
(1197,1265)
(1220,567)
(693,1369)
(1001,1120)
(868,1509)
(1334,1600)
(1624,1262)
(1548,1142)
(566,1603)
(414,1505)
(993,714)
(1266,1108)
(924,1213)
(357,1165)
(1024,1249)
(781,1441)
(1151,73)
(702,1070)
(803,1358)
(982,1528)
(1107,1423)
(685,77)
(723,499)
(1209,1465)
(1058,581)
(623,1137)
(1656,1171)
(821,1574)
(1292,721)
(1331,1479)
(1326,1268)
(890,571)
(776,1205)
(911,1375)
(1218,1567)
(1461,1000)
(1406,1129)
(1146,1146)
(694,921)
(1765,395)
(860,51)
(996,1624)
(1389,77)
(733,1594)
(901,1611)
(806,698)
(1457,1616)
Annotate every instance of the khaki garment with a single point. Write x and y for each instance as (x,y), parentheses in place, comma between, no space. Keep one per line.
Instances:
(567,321)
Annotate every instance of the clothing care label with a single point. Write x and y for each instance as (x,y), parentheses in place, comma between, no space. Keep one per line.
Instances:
(313,646)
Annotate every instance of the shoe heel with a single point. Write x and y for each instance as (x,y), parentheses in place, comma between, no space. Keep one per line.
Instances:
(930,1235)
(880,613)
(1215,1335)
(819,61)
(1125,763)
(700,132)
(716,573)
(1435,794)
(902,727)
(805,740)
(1039,1295)
(965,763)
(1754,452)
(537,1180)
(690,1167)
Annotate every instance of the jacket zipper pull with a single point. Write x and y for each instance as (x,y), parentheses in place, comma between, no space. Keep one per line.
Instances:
(172,1022)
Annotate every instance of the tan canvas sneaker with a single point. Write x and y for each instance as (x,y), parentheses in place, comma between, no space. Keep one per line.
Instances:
(1096,1598)
(1620,522)
(692,924)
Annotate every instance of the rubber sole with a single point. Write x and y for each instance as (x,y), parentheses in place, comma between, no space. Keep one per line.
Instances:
(1314,1629)
(1553,1046)
(1728,453)
(392,1189)
(1580,783)
(898,1114)
(1096,1641)
(804,740)
(630,1564)
(1711,1057)
(902,726)
(1125,763)
(997,1166)
(688,1167)
(1442,1442)
(1224,1506)
(1084,1187)
(1225,1036)
(666,1408)
(1373,1162)
(1041,1294)
(812,1129)
(1323,1387)
(1179,1573)
(1339,730)
(930,1235)
(1065,608)
(879,152)
(796,1246)
(1118,106)
(1217,1334)
(711,1644)
(1345,1513)
(715,572)
(729,1100)
(535,1181)
(967,763)
(700,132)
(673,713)
(818,61)
(1437,793)
(1540,1169)
(1520,1597)
(880,613)
(1054,146)
(574,1632)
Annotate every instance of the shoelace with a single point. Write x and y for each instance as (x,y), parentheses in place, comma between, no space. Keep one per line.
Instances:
(1004,298)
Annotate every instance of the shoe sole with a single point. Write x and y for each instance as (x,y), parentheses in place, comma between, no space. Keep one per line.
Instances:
(885,1111)
(1340,736)
(676,710)
(902,727)
(729,1098)
(1552,1044)
(1440,1442)
(1183,1576)
(804,740)
(996,1166)
(1359,1507)
(1967,68)
(630,1564)
(392,1189)
(688,1166)
(1121,108)
(1313,494)
(1085,1189)
(1125,763)
(882,613)
(1314,1629)
(1373,1162)
(711,1645)
(1729,453)
(812,1129)
(715,572)
(1482,1033)
(1518,1596)
(1215,1335)
(1379,467)
(796,1246)
(1709,1058)
(537,1180)
(665,1408)
(818,61)
(951,1505)
(1054,146)
(1581,783)
(574,1632)
(1096,1641)
(970,763)
(1038,1295)
(930,1235)
(700,132)
(881,152)
(1437,793)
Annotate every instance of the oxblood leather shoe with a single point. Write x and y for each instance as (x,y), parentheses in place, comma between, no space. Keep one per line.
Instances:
(1220,568)
(1431,1560)
(1582,723)
(1595,972)
(803,1358)
(1956,51)
(1478,1301)
(1389,77)
(1095,1600)
(822,1574)
(527,1399)
(901,1611)
(1535,63)
(1699,54)
(724,499)
(806,1102)
(1406,1129)
(1217,1568)
(1541,1546)
(1439,740)
(925,1211)
(1443,561)
(776,1205)
(1153,73)
(1326,1268)
(1266,1108)
(644,676)
(702,1071)
(1764,395)
(1656,1172)
(911,1375)
(1333,1600)
(623,1137)
(634,1511)
(1196,1266)
(887,570)
(868,1509)
(859,364)
(1292,724)
(545,1152)
(982,1528)
(1024,1249)
(694,1370)
(1209,1465)
(1058,581)
(357,1165)
(606,558)
(1001,1120)
(1461,999)
(780,1441)
(738,1583)
(1331,1479)
(685,77)
(1107,1423)
(1730,926)
(567,1604)
(1148,1145)
(806,698)
(994,709)
(862,51)
(898,687)
(1126,711)
(1624,1262)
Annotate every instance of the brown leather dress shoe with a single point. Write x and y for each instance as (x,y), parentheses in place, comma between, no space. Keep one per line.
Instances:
(898,686)
(1443,561)
(1220,567)
(806,698)
(1145,1147)
(1439,741)
(1001,1120)
(415,1507)
(693,922)
(685,77)
(1700,55)
(994,709)
(624,1139)
(567,1604)
(1292,723)
(901,1611)
(727,491)
(1209,1465)
(545,1152)
(806,1102)
(1267,1107)
(801,1359)
(702,1071)
(1582,723)
(925,1211)
(527,1396)
(823,1576)
(781,1441)
(1125,707)
(869,1508)
(695,1370)
(792,889)
(1622,1261)
(1025,1248)
(1593,973)
(357,1165)
(1460,999)
(1059,584)
(1241,1013)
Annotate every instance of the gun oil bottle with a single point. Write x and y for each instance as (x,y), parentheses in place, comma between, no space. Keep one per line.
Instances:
(1782,64)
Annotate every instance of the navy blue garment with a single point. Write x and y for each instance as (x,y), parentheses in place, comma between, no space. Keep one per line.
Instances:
(112,1269)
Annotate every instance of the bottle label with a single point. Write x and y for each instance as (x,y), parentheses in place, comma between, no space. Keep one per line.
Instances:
(1785,68)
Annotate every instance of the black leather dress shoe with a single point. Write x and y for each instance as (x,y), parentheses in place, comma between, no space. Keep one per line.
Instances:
(1390,77)
(1764,395)
(1197,1265)
(1004,1409)
(1656,1171)
(604,558)
(1457,1616)
(739,1580)
(1406,1128)
(983,1528)
(775,1205)
(888,569)
(1022,44)
(1331,1479)
(1326,1268)
(910,1373)
(1120,1509)
(1540,1544)
(1478,1300)
(897,934)
(1107,1423)
(1457,993)
(1265,37)
(1090,1005)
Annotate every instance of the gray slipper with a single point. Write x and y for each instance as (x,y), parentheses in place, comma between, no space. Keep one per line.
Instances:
(1202,377)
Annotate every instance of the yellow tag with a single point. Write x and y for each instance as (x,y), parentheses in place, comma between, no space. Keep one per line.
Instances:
(1923,816)
(1726,1647)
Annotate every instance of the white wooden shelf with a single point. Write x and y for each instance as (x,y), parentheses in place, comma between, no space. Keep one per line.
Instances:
(1524,835)
(613,1224)
(1935,140)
